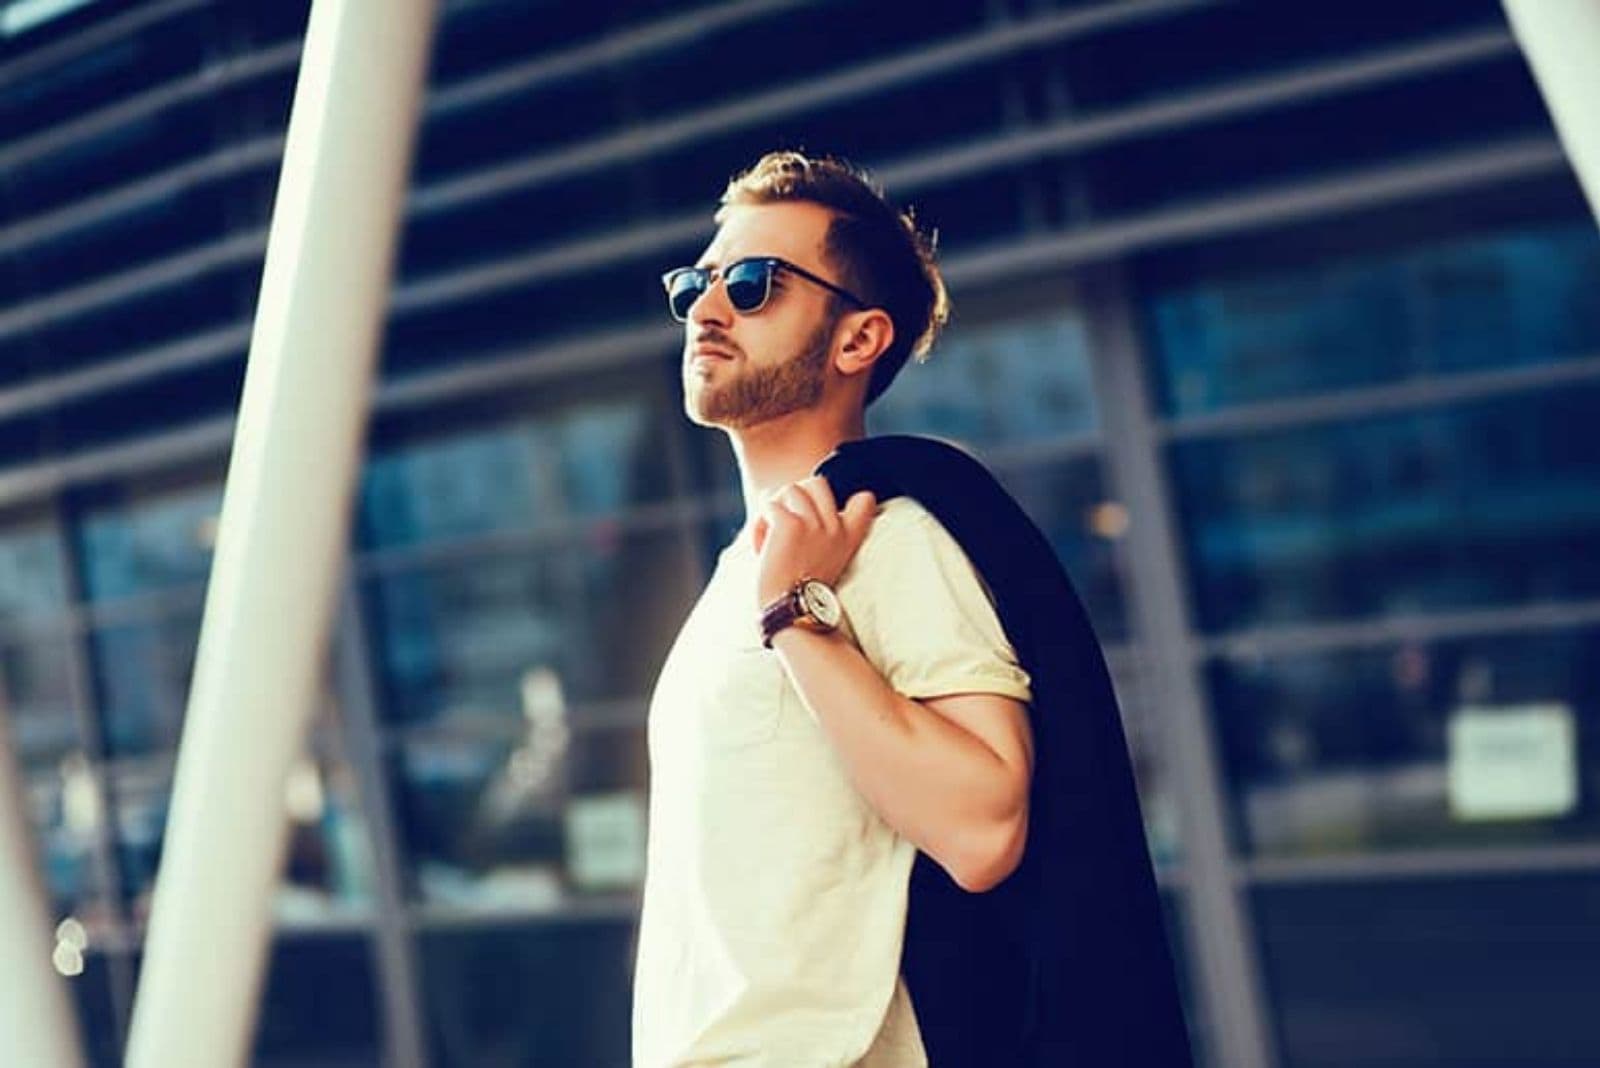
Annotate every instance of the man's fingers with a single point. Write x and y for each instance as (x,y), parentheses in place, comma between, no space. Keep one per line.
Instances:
(859,511)
(821,494)
(798,504)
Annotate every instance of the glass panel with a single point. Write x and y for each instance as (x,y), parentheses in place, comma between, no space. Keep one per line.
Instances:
(328,867)
(149,541)
(32,572)
(592,460)
(90,989)
(524,824)
(1492,740)
(1145,731)
(557,994)
(1068,501)
(1174,907)
(458,640)
(143,670)
(36,692)
(1488,504)
(1436,973)
(320,1006)
(1489,301)
(1000,383)
(67,808)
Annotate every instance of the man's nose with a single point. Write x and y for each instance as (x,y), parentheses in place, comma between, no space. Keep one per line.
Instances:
(712,306)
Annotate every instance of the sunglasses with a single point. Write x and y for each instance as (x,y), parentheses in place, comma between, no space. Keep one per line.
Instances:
(749,284)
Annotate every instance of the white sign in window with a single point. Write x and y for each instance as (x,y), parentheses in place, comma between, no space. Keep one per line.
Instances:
(606,841)
(1513,762)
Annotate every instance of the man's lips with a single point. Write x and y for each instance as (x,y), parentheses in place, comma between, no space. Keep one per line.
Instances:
(709,352)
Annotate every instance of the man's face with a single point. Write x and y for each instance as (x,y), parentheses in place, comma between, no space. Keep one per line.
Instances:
(741,370)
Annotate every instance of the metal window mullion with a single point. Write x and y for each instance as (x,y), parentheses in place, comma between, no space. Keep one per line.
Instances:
(207,81)
(1014,104)
(1432,863)
(1222,942)
(1288,639)
(1359,402)
(1283,205)
(395,954)
(614,50)
(100,34)
(1020,145)
(1288,204)
(524,364)
(925,61)
(1507,161)
(85,700)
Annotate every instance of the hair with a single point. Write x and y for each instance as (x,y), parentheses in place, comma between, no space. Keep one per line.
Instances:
(881,253)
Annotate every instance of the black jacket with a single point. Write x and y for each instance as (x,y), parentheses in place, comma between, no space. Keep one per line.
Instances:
(1066,963)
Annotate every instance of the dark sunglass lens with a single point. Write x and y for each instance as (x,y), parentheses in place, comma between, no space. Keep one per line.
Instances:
(747,285)
(686,289)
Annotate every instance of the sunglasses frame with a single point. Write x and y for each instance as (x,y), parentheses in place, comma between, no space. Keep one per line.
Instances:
(773,265)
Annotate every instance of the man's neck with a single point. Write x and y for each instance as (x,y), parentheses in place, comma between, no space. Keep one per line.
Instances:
(782,451)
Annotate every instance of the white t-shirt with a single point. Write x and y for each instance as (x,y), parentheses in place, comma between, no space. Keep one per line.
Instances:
(775,897)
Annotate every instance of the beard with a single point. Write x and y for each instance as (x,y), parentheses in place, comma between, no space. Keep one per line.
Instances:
(759,394)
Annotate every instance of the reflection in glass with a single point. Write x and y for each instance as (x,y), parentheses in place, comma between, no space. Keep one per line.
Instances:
(67,810)
(1068,501)
(556,994)
(1433,973)
(523,823)
(32,572)
(1352,751)
(327,867)
(1480,302)
(1482,505)
(143,671)
(149,542)
(1018,380)
(456,639)
(1174,907)
(98,1026)
(36,697)
(320,1005)
(1145,731)
(588,460)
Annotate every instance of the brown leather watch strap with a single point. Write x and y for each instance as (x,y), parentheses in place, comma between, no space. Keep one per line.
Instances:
(779,614)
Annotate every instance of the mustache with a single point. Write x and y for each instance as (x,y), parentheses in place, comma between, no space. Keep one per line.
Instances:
(716,339)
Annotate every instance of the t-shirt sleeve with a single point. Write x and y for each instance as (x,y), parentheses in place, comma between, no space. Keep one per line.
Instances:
(922,617)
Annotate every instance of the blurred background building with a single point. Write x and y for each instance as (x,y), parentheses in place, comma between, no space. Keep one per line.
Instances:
(1282,320)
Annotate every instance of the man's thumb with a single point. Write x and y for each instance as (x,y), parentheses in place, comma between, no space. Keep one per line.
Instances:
(858,513)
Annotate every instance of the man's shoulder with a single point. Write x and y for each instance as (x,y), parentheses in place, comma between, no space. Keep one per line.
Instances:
(905,524)
(900,517)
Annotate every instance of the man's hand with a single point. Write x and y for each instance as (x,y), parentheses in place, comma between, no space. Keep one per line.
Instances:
(801,533)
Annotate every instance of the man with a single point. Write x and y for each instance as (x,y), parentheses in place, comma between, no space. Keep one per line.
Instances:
(842,696)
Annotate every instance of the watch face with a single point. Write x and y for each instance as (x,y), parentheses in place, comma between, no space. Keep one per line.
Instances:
(821,602)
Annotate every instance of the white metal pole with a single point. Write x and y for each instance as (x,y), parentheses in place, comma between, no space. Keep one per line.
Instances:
(37,1024)
(283,529)
(1561,40)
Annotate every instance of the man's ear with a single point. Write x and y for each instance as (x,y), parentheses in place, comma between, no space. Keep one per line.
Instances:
(867,335)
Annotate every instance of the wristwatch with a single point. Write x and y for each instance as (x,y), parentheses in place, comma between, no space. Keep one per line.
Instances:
(810,603)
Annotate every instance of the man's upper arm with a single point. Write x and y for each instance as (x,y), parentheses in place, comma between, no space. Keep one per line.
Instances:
(924,619)
(1000,722)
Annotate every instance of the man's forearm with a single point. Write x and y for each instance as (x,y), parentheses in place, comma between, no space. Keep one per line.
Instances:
(937,784)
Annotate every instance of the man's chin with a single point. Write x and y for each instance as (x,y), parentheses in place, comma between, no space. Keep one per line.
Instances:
(697,414)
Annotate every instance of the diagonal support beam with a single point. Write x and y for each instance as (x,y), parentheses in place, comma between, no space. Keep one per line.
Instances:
(1561,40)
(284,527)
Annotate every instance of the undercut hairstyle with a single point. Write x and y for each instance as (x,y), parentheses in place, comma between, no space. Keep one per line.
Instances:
(881,253)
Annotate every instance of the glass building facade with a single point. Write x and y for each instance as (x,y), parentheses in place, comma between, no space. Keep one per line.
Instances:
(1283,322)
